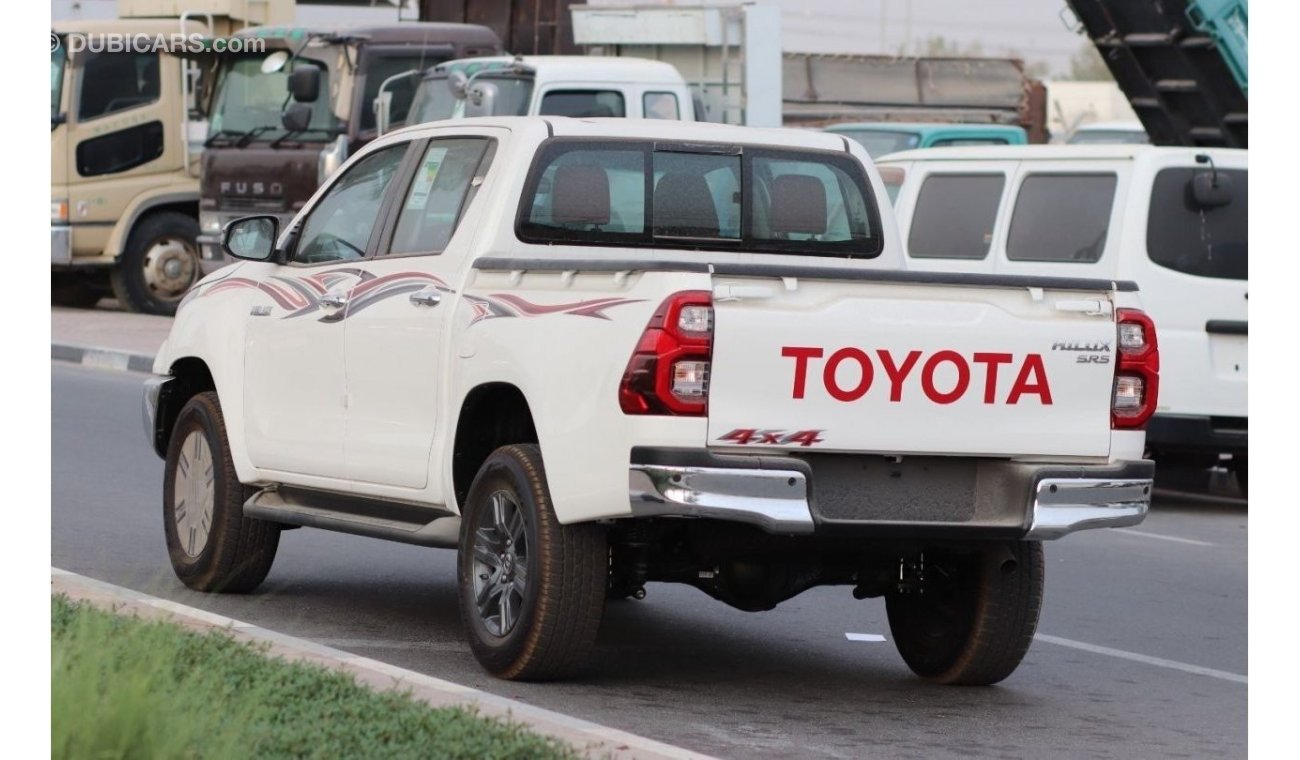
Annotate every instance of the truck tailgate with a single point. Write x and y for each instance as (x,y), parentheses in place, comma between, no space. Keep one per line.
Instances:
(910,368)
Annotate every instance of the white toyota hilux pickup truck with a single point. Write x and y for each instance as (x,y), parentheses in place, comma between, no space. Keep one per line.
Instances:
(591,354)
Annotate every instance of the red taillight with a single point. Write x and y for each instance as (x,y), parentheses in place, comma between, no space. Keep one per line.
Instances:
(669,370)
(1137,373)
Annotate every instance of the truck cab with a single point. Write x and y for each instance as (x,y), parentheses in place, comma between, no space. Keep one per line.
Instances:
(284,119)
(552,85)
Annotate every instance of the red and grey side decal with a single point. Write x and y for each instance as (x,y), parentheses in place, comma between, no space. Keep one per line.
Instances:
(508,305)
(301,296)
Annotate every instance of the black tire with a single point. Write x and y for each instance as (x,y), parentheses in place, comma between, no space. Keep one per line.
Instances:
(143,278)
(236,553)
(975,627)
(557,607)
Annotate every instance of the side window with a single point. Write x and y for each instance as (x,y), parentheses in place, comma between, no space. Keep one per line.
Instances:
(121,150)
(112,82)
(580,103)
(1061,217)
(439,194)
(953,141)
(954,216)
(340,225)
(592,191)
(660,105)
(1197,223)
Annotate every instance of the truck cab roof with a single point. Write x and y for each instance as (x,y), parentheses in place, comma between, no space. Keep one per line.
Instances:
(406,33)
(571,67)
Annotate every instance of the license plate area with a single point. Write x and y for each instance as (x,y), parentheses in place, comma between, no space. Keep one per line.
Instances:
(863,488)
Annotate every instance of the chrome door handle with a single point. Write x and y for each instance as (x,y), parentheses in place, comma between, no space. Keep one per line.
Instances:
(334,300)
(426,297)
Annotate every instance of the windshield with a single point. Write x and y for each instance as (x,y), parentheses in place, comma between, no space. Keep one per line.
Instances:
(58,57)
(435,101)
(878,143)
(248,99)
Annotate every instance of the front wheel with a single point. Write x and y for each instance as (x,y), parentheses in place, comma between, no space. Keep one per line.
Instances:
(212,546)
(532,591)
(972,620)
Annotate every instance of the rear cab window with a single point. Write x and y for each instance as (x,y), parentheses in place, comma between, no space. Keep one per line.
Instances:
(699,196)
(1197,222)
(1061,217)
(955,215)
(583,103)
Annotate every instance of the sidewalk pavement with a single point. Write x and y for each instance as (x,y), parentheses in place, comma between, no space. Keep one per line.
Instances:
(106,337)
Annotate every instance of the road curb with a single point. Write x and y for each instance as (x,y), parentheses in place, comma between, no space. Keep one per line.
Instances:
(104,358)
(591,738)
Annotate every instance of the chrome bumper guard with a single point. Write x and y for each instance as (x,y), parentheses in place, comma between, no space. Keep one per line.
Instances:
(777,500)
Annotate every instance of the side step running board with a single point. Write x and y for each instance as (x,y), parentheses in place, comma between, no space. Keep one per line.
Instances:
(345,513)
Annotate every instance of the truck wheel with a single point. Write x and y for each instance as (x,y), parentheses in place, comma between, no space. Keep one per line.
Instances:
(160,263)
(212,546)
(976,618)
(532,591)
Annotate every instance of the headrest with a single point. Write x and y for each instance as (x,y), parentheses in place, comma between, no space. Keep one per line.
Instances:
(580,195)
(798,205)
(684,206)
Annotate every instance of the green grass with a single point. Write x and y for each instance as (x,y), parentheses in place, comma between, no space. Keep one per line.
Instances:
(128,688)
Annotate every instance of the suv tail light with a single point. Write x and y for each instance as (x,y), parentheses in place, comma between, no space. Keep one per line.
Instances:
(1137,373)
(669,370)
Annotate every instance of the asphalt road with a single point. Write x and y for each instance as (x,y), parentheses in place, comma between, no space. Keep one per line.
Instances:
(1141,649)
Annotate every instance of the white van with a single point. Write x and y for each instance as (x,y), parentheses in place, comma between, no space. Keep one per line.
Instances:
(1171,219)
(552,85)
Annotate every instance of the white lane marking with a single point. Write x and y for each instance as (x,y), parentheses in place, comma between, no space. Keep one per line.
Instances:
(864,637)
(1159,662)
(1162,537)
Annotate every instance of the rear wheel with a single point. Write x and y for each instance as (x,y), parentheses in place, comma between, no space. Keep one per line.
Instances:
(973,618)
(159,264)
(532,591)
(212,546)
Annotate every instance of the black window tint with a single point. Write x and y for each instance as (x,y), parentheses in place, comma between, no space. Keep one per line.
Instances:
(954,141)
(1200,238)
(436,199)
(697,195)
(660,105)
(954,216)
(1061,217)
(340,224)
(583,103)
(120,151)
(112,82)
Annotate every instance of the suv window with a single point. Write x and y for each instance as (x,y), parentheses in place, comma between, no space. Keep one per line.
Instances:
(1061,217)
(699,196)
(112,82)
(438,195)
(1207,240)
(580,103)
(339,226)
(954,216)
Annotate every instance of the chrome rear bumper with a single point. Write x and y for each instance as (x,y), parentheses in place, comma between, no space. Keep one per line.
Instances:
(778,494)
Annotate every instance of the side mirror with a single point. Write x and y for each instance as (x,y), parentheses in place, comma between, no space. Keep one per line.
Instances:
(296,118)
(304,84)
(251,238)
(383,112)
(458,83)
(481,99)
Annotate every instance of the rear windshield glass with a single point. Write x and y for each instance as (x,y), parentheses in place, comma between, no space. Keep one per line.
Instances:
(954,216)
(1201,233)
(1061,217)
(700,196)
(583,103)
(878,142)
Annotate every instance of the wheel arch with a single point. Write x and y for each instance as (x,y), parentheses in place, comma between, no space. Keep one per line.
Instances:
(180,202)
(190,376)
(491,415)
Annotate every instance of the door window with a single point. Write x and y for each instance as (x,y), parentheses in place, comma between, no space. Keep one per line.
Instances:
(1206,237)
(340,225)
(954,216)
(1061,217)
(660,105)
(119,151)
(439,194)
(112,82)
